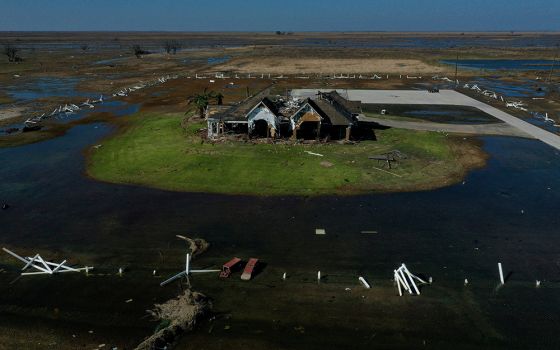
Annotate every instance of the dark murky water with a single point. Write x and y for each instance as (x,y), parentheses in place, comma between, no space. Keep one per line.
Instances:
(44,87)
(436,114)
(382,41)
(505,212)
(527,88)
(488,64)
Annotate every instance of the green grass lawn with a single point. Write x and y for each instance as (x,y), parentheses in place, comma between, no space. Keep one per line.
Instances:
(155,151)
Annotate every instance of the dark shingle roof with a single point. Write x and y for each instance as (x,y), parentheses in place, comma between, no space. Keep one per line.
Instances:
(328,111)
(239,112)
(353,107)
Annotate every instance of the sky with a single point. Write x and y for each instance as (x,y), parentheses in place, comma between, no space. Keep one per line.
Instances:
(284,15)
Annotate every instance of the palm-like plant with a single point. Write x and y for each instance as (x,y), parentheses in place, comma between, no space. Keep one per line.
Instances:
(201,100)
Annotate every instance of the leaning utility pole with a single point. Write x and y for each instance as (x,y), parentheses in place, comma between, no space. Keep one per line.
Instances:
(456,64)
(551,70)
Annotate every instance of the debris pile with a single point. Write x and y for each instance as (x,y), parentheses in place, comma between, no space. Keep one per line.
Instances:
(179,315)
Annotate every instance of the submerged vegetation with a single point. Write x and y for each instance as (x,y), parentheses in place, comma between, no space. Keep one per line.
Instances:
(154,150)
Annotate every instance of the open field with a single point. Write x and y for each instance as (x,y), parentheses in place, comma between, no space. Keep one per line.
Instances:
(287,65)
(155,151)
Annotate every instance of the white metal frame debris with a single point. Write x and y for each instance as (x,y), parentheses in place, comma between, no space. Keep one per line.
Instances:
(405,280)
(44,267)
(186,272)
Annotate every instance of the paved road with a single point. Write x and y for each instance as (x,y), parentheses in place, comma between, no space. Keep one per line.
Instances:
(444,97)
(501,129)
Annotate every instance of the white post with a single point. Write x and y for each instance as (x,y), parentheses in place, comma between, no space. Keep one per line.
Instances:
(120,271)
(87,271)
(397,279)
(501,273)
(187,263)
(364,282)
(284,276)
(318,276)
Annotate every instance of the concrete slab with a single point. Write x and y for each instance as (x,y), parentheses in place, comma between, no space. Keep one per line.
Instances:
(444,97)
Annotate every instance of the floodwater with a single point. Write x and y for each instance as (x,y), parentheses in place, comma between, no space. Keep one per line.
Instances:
(527,88)
(500,64)
(506,212)
(436,114)
(44,87)
(382,41)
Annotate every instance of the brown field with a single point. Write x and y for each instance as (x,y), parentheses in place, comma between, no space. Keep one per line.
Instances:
(287,65)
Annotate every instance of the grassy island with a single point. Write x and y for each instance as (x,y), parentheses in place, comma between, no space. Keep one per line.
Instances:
(165,151)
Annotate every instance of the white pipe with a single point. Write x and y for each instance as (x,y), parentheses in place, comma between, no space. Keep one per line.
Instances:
(501,273)
(31,261)
(187,263)
(58,267)
(15,255)
(397,279)
(405,282)
(43,262)
(412,282)
(364,282)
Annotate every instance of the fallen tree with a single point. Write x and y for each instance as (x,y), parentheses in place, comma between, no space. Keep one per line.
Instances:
(176,317)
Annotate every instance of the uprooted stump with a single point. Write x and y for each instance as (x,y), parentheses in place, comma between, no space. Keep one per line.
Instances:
(178,316)
(197,246)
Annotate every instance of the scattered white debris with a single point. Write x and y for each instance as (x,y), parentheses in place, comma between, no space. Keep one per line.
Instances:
(314,154)
(42,266)
(405,280)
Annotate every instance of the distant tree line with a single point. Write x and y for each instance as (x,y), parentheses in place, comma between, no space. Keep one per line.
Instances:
(171,46)
(283,33)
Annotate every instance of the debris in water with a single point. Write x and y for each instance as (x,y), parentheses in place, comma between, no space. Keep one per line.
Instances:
(182,313)
(405,280)
(364,282)
(320,231)
(42,266)
(249,269)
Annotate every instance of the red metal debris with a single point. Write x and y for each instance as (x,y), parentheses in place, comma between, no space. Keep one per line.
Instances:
(249,269)
(229,267)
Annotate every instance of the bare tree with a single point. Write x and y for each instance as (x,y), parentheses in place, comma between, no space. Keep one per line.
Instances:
(171,46)
(11,51)
(138,51)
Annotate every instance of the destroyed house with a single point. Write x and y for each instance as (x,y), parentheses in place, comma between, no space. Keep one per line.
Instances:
(329,116)
(264,119)
(318,119)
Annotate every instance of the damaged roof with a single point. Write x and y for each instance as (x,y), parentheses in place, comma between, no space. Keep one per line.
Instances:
(330,112)
(239,112)
(353,107)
